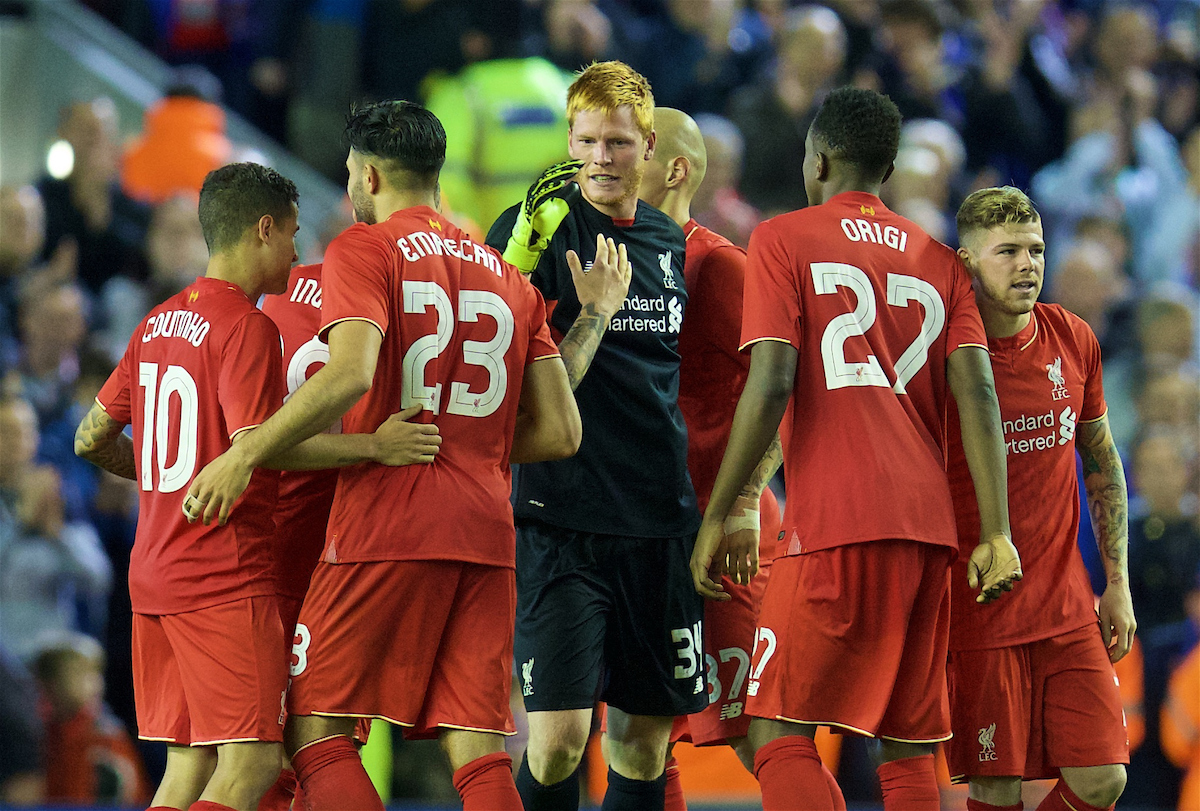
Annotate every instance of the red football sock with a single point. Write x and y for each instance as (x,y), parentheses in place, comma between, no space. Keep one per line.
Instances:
(835,791)
(279,796)
(208,805)
(979,805)
(909,784)
(789,771)
(486,784)
(1061,798)
(332,775)
(674,800)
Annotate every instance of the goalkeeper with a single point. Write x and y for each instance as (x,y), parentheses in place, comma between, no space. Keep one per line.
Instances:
(605,605)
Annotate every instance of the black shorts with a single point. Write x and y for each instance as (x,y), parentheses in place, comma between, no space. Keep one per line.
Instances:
(610,618)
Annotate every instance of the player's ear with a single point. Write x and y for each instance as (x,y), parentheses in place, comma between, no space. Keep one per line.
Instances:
(650,141)
(680,168)
(822,166)
(372,178)
(891,168)
(266,225)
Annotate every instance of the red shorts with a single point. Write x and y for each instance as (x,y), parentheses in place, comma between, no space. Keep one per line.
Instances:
(422,644)
(728,640)
(855,637)
(1032,709)
(210,676)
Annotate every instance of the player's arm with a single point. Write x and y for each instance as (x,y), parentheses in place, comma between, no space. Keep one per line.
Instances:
(1108,502)
(548,422)
(601,291)
(755,425)
(743,523)
(396,442)
(326,396)
(99,439)
(994,566)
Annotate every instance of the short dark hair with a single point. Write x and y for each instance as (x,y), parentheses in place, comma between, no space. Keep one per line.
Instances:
(861,127)
(406,136)
(236,196)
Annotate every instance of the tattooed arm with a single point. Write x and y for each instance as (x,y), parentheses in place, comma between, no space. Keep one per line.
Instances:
(601,291)
(1108,503)
(99,440)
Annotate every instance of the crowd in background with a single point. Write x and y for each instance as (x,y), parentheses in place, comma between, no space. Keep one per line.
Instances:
(1093,106)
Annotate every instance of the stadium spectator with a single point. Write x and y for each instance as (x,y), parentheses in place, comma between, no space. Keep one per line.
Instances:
(1032,690)
(53,328)
(22,772)
(774,115)
(718,205)
(396,151)
(1164,544)
(88,205)
(589,622)
(182,140)
(90,758)
(47,563)
(838,544)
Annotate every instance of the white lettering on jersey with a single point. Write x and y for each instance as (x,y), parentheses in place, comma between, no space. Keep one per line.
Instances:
(420,244)
(869,231)
(183,324)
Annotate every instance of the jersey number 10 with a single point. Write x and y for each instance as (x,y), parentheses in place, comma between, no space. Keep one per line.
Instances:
(840,373)
(156,427)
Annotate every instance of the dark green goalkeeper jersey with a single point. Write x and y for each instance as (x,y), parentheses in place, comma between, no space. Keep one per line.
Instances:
(630,476)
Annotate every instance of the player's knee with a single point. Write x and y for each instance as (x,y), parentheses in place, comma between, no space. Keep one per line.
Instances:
(1100,786)
(638,757)
(555,760)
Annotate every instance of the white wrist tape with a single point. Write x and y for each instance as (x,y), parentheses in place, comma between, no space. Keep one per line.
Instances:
(747,520)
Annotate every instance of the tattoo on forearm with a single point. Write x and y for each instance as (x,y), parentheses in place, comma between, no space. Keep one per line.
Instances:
(581,342)
(99,440)
(762,474)
(1108,503)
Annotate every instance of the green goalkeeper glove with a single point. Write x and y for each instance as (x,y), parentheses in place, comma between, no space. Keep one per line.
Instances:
(540,215)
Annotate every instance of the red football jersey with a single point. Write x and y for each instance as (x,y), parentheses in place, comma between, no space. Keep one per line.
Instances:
(874,306)
(712,372)
(305,496)
(1048,379)
(202,366)
(459,327)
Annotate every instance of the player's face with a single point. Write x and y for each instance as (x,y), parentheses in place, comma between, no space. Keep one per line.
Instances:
(360,201)
(1008,263)
(614,154)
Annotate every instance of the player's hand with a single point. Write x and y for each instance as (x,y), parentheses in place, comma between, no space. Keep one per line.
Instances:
(217,487)
(741,540)
(545,206)
(994,568)
(605,284)
(1117,623)
(401,442)
(707,563)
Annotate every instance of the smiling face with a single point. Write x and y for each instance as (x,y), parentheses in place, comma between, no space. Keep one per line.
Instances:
(614,154)
(1008,263)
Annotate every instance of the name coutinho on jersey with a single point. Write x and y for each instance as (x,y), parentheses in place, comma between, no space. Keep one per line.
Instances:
(420,244)
(183,324)
(866,231)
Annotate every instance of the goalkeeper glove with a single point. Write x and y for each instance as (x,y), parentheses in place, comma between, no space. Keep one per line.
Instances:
(540,215)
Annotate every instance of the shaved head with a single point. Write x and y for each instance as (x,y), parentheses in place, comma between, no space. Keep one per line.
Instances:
(679,136)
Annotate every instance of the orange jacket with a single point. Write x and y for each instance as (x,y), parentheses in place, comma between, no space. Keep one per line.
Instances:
(1180,728)
(183,140)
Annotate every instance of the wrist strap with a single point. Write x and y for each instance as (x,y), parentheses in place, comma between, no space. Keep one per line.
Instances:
(747,520)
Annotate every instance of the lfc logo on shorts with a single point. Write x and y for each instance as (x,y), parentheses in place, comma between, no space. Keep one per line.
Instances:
(986,736)
(527,678)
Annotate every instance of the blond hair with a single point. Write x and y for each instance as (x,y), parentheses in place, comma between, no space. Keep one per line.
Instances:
(988,208)
(605,86)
